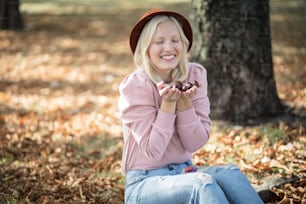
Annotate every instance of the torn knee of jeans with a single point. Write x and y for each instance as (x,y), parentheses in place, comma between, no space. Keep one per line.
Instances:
(204,178)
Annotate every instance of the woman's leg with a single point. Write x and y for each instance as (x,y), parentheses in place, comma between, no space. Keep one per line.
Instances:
(234,184)
(188,188)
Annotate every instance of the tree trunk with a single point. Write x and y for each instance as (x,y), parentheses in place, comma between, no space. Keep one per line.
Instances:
(233,42)
(10,17)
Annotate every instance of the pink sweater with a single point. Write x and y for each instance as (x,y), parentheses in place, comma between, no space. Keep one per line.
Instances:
(152,138)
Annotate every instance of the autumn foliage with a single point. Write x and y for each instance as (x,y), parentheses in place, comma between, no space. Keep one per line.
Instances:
(60,132)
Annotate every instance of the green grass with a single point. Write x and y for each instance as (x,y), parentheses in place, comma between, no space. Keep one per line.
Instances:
(8,199)
(273,134)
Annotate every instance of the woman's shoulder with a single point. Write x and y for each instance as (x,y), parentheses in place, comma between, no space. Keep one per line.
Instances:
(196,69)
(196,66)
(136,89)
(136,80)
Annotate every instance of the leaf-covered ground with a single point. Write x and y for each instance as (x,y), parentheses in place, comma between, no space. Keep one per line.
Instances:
(60,133)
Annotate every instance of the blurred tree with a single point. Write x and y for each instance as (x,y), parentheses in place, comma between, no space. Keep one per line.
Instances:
(232,40)
(10,17)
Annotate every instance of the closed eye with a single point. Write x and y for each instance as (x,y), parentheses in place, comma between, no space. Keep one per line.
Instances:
(158,42)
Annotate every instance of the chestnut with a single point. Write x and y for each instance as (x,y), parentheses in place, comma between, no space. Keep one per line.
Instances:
(178,85)
(184,86)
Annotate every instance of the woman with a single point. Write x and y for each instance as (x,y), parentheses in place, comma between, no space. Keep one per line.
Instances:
(163,123)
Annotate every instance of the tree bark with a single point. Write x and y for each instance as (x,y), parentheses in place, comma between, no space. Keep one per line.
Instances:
(10,16)
(233,42)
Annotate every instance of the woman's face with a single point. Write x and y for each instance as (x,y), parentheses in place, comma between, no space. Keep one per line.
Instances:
(165,50)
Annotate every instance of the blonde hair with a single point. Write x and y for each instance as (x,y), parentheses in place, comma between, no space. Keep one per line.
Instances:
(141,57)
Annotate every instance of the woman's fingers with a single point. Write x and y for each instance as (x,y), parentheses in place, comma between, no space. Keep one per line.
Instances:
(172,93)
(190,92)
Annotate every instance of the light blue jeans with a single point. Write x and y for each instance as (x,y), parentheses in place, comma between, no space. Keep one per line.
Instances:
(209,185)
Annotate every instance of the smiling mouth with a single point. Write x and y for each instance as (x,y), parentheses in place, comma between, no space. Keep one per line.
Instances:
(168,57)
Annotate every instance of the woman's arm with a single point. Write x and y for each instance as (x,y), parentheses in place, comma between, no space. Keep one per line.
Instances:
(152,128)
(193,122)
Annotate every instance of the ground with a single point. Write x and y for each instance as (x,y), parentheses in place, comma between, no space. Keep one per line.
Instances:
(61,138)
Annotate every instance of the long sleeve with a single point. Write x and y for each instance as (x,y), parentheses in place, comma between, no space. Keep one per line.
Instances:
(152,129)
(193,125)
(153,138)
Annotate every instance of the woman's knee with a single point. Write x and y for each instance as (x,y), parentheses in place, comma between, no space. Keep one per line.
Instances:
(207,189)
(203,183)
(194,182)
(204,179)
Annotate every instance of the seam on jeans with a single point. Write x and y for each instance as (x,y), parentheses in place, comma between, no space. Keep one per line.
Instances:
(230,167)
(223,167)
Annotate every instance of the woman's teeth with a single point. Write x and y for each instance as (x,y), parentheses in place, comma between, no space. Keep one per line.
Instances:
(168,57)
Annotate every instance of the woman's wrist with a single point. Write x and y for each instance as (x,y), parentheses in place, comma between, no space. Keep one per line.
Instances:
(168,106)
(183,103)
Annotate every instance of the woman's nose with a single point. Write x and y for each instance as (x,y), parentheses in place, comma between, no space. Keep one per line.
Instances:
(168,46)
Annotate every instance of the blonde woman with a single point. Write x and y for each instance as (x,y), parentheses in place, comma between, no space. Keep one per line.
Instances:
(164,110)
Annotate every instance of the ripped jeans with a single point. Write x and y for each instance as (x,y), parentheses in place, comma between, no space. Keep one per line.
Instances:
(208,185)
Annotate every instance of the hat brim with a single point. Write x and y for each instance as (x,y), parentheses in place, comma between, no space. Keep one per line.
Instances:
(144,19)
